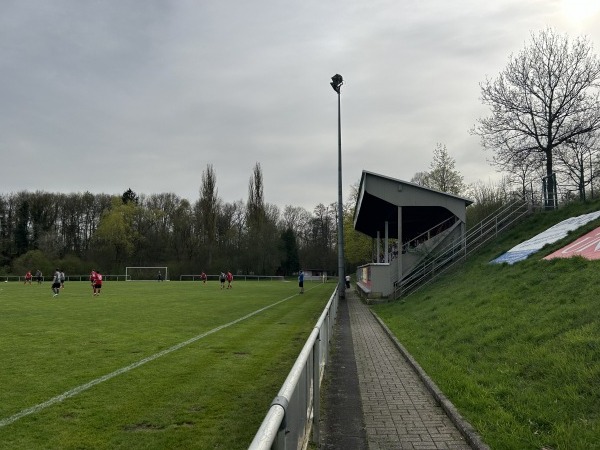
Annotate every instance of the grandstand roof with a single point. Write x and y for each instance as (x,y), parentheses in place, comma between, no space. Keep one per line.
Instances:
(379,198)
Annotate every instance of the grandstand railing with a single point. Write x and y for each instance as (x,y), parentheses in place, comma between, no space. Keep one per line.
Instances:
(433,231)
(456,252)
(293,417)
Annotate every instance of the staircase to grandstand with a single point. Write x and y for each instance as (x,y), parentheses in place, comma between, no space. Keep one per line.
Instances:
(439,260)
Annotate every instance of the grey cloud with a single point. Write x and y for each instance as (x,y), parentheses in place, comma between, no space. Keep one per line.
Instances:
(157,90)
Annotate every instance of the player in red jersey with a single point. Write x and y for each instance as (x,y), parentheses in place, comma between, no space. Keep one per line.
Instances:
(97,283)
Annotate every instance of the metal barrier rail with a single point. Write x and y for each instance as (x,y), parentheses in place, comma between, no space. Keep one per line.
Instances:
(235,277)
(85,277)
(295,411)
(13,278)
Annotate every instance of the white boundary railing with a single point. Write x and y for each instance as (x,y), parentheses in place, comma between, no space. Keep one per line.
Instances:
(235,278)
(84,277)
(296,409)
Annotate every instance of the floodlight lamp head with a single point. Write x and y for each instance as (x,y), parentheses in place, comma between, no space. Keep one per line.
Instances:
(336,82)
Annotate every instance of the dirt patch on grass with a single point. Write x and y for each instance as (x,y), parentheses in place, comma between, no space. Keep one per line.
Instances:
(144,427)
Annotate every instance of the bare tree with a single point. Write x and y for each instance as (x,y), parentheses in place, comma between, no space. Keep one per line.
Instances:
(256,203)
(207,211)
(546,96)
(442,176)
(487,199)
(576,159)
(421,178)
(294,217)
(522,169)
(261,224)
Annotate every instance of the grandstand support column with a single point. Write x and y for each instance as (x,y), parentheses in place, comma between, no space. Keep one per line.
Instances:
(400,244)
(378,248)
(336,84)
(386,243)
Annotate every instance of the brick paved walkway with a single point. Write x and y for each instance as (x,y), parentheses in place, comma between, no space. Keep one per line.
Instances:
(399,411)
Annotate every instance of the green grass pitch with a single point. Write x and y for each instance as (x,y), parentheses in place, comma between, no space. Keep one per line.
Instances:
(147,364)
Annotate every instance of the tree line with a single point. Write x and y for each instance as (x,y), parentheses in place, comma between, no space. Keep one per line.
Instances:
(81,231)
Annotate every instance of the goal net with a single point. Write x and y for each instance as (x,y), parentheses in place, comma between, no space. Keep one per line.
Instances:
(156,273)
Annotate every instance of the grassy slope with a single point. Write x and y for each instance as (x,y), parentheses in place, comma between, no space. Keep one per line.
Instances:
(212,393)
(516,348)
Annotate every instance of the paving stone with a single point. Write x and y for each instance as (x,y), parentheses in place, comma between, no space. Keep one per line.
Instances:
(397,410)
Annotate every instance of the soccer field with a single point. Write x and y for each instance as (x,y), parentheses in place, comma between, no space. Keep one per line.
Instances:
(147,365)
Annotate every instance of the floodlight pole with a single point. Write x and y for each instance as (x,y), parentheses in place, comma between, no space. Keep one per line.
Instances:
(336,84)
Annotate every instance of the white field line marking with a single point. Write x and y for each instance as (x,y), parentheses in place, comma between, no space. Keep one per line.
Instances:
(84,387)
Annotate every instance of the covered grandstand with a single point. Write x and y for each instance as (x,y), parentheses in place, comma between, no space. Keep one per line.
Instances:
(408,223)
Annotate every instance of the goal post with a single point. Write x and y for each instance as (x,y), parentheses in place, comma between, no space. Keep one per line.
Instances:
(154,273)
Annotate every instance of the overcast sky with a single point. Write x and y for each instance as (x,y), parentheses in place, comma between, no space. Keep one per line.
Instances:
(102,96)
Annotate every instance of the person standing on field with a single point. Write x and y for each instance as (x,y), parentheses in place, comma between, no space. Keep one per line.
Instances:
(93,279)
(38,276)
(222,280)
(301,281)
(56,282)
(97,284)
(62,279)
(229,279)
(28,277)
(203,277)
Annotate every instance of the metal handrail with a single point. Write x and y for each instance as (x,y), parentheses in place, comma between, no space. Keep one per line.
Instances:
(427,234)
(457,251)
(295,411)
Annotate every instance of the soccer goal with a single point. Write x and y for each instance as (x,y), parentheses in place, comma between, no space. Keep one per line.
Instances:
(158,273)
